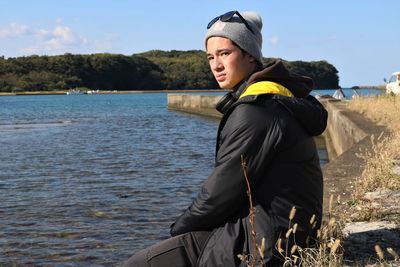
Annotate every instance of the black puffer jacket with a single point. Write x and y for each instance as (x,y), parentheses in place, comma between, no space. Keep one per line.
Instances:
(274,135)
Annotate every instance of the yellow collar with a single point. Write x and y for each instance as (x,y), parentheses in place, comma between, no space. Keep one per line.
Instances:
(266,87)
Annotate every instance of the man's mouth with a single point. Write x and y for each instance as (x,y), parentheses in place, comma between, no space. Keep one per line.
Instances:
(220,77)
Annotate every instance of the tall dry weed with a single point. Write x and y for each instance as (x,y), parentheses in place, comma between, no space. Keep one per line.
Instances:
(327,249)
(382,109)
(385,154)
(256,257)
(380,163)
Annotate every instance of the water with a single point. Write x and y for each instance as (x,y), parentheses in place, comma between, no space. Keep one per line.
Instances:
(87,180)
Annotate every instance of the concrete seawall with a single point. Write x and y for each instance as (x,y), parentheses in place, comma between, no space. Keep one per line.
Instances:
(194,104)
(347,134)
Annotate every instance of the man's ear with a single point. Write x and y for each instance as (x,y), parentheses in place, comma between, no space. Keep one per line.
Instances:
(252,59)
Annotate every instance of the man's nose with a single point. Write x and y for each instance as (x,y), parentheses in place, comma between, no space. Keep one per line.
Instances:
(216,64)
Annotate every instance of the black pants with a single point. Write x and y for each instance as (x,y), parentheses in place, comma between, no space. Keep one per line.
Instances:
(179,251)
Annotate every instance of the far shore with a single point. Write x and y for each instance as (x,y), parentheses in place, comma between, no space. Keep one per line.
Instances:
(109,92)
(64,92)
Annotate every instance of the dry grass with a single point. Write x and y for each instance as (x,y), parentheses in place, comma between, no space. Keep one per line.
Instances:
(327,251)
(380,161)
(385,154)
(382,109)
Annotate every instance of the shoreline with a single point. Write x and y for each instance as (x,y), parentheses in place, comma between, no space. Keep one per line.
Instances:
(62,92)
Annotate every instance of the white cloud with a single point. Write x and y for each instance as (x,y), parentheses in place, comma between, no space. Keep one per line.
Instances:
(14,30)
(61,37)
(55,39)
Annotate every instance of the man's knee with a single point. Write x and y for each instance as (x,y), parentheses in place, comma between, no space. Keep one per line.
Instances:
(137,260)
(179,251)
(170,252)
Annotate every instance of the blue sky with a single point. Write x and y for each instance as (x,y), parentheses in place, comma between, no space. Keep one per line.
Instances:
(361,38)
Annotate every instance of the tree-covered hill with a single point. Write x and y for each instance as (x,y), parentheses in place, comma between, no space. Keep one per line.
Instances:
(183,69)
(325,75)
(98,71)
(152,70)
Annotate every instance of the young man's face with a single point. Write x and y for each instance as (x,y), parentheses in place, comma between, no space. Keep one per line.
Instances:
(228,63)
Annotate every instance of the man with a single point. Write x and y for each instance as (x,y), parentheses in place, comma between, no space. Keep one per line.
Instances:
(265,136)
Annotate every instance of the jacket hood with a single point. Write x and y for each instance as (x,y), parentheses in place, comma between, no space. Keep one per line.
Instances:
(299,85)
(305,108)
(309,112)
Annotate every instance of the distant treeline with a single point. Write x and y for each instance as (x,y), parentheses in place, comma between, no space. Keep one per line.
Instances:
(153,70)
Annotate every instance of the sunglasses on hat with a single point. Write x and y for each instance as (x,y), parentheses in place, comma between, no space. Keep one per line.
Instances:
(227,17)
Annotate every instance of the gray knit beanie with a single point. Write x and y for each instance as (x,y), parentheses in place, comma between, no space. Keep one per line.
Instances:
(237,31)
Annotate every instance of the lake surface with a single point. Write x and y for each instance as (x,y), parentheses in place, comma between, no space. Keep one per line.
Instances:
(87,180)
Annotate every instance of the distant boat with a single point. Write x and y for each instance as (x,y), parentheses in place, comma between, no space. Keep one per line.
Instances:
(89,92)
(74,92)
